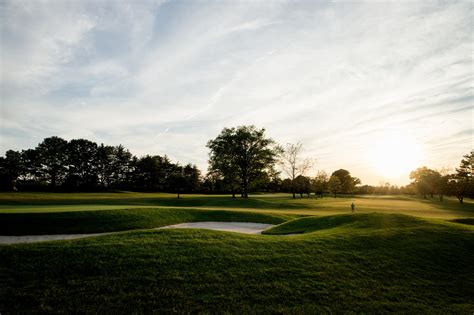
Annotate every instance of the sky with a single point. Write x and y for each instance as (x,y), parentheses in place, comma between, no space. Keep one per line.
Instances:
(366,86)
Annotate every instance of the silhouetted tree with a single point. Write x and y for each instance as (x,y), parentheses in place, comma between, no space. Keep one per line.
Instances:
(53,157)
(10,169)
(123,167)
(293,164)
(425,180)
(463,180)
(320,183)
(82,164)
(244,148)
(334,185)
(347,182)
(191,177)
(104,163)
(302,185)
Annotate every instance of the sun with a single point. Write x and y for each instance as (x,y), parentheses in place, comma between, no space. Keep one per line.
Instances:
(394,155)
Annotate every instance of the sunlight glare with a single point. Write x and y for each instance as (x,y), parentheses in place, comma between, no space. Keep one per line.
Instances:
(394,155)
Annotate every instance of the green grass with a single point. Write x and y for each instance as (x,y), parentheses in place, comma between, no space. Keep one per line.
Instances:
(277,203)
(392,255)
(361,263)
(338,222)
(120,220)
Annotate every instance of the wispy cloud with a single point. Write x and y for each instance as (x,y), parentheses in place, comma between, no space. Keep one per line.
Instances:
(165,77)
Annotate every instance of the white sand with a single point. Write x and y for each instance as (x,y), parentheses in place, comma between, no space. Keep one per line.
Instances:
(43,238)
(241,227)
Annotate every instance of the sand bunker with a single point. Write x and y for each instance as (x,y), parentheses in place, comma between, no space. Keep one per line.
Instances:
(43,238)
(241,227)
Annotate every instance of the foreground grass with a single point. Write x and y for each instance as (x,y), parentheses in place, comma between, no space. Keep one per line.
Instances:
(367,263)
(273,203)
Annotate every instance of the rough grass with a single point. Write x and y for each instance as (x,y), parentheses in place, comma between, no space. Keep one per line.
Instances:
(337,222)
(362,263)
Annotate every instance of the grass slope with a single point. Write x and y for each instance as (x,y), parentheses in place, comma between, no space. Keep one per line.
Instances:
(120,220)
(370,263)
(271,203)
(340,222)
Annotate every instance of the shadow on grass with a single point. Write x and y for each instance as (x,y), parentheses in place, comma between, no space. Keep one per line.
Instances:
(184,201)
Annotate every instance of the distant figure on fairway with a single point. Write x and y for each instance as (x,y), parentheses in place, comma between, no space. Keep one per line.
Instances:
(353,206)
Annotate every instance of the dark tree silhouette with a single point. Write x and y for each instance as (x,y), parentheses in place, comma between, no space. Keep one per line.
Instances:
(246,151)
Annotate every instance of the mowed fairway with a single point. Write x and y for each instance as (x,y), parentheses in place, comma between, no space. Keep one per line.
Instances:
(377,260)
(450,208)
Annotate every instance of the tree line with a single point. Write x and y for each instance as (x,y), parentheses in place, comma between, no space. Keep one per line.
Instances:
(82,165)
(241,160)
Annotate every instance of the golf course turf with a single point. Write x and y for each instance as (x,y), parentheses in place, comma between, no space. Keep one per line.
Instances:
(369,262)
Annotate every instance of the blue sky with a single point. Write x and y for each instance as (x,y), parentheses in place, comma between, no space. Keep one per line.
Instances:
(352,81)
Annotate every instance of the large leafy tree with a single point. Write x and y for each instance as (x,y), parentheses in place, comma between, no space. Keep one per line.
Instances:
(52,159)
(425,180)
(82,163)
(347,182)
(320,183)
(242,154)
(10,169)
(334,185)
(104,162)
(122,166)
(463,180)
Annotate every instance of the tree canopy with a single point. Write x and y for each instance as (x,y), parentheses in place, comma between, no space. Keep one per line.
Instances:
(240,155)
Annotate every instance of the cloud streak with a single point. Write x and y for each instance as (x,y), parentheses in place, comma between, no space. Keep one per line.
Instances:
(165,77)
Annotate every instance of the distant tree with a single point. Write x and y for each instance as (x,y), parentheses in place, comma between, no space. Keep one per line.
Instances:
(53,160)
(425,180)
(334,184)
(286,185)
(246,150)
(30,166)
(293,164)
(191,177)
(212,183)
(302,185)
(176,180)
(82,164)
(320,183)
(104,162)
(148,172)
(463,181)
(441,182)
(123,166)
(10,169)
(347,182)
(222,165)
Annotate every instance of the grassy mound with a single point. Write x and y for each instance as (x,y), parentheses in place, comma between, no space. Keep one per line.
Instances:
(469,221)
(120,220)
(339,222)
(371,263)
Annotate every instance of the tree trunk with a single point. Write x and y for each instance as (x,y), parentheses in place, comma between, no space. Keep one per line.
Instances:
(294,195)
(178,196)
(440,197)
(335,195)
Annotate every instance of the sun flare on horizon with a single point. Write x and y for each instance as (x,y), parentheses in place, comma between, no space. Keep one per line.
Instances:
(394,155)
